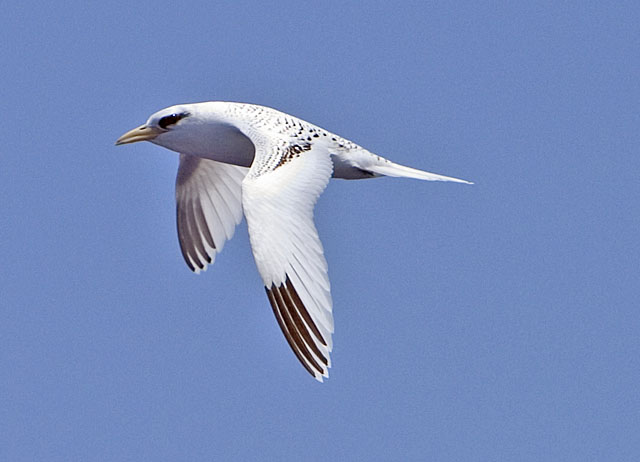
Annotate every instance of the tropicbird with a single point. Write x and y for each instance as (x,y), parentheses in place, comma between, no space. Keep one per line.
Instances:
(240,158)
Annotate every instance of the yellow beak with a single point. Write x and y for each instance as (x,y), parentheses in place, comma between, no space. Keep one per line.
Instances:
(142,133)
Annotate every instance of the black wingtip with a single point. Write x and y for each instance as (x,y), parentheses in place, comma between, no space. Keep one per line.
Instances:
(298,328)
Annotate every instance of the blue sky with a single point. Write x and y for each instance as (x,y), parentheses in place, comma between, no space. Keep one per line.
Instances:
(497,321)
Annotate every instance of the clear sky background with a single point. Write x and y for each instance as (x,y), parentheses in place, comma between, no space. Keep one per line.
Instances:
(498,321)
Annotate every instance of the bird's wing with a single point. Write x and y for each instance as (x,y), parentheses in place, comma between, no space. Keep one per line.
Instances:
(208,207)
(278,195)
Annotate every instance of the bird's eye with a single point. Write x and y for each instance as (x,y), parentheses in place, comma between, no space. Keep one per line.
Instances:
(165,121)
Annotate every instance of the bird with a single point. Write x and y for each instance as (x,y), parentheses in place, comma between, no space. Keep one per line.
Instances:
(240,159)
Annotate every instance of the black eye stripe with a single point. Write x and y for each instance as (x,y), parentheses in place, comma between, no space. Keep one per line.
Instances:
(165,121)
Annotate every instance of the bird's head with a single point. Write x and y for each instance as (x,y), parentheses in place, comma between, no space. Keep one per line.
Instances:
(197,129)
(168,128)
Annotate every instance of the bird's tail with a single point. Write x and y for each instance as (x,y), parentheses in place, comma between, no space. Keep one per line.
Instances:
(387,168)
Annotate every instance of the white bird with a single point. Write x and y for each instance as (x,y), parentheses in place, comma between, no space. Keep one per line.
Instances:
(237,158)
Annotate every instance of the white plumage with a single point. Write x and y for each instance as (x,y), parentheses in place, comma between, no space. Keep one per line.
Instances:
(237,158)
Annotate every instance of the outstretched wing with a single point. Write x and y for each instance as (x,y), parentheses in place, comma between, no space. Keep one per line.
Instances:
(278,195)
(208,207)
